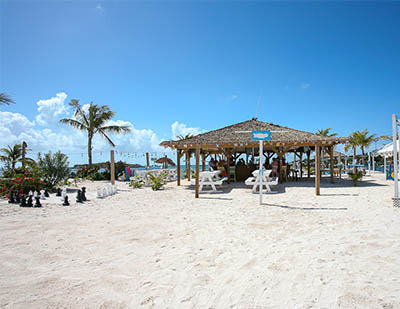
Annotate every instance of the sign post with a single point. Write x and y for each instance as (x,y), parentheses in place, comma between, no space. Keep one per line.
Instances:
(261,136)
(395,157)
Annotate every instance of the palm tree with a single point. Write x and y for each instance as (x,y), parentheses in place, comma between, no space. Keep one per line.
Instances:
(13,155)
(5,99)
(353,143)
(94,121)
(325,132)
(365,140)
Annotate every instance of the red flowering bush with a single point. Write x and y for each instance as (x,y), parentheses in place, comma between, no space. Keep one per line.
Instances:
(22,184)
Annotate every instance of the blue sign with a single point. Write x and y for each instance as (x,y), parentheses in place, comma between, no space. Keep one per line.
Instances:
(261,135)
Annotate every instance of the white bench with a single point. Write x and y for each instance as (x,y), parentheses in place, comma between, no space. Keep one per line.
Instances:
(266,181)
(209,178)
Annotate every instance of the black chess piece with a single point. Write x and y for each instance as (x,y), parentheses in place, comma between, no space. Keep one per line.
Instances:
(11,199)
(17,197)
(83,195)
(29,203)
(58,192)
(37,202)
(79,197)
(23,201)
(46,193)
(66,203)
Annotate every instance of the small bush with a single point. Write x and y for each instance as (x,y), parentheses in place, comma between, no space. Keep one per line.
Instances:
(53,167)
(157,182)
(356,177)
(136,183)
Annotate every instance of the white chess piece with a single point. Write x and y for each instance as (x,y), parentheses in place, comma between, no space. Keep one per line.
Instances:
(105,192)
(30,193)
(42,197)
(99,193)
(63,194)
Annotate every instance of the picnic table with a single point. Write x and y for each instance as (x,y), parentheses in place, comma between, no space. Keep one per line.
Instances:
(210,178)
(266,181)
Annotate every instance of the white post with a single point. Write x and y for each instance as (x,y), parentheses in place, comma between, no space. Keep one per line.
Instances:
(369,164)
(260,173)
(384,165)
(396,188)
(373,163)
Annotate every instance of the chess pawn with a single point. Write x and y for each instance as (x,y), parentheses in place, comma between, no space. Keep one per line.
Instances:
(23,201)
(46,193)
(79,197)
(30,193)
(17,197)
(42,196)
(66,203)
(37,202)
(105,193)
(29,203)
(58,192)
(83,195)
(35,194)
(63,194)
(11,199)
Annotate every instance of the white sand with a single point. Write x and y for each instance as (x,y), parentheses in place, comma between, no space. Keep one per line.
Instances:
(144,249)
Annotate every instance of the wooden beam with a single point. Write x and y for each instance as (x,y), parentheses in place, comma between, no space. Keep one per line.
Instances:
(317,169)
(188,165)
(331,163)
(197,171)
(178,167)
(112,167)
(203,162)
(301,165)
(308,164)
(280,156)
(228,170)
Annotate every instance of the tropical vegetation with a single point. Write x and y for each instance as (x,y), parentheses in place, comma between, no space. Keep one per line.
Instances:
(94,121)
(5,99)
(53,167)
(12,155)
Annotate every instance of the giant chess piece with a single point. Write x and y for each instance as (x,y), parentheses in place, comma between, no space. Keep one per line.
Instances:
(11,199)
(79,197)
(66,203)
(30,193)
(37,202)
(83,195)
(36,194)
(17,197)
(46,193)
(29,203)
(42,196)
(58,192)
(23,201)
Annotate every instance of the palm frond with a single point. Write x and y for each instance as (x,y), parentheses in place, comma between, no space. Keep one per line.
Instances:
(115,129)
(5,99)
(74,123)
(103,134)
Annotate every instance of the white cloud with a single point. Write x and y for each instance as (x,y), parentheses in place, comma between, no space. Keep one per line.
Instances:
(182,129)
(99,8)
(305,85)
(51,110)
(232,97)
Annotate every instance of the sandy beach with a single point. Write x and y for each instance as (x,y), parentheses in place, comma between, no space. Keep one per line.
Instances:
(165,249)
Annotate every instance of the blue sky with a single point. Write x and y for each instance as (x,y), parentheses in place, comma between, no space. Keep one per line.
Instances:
(200,65)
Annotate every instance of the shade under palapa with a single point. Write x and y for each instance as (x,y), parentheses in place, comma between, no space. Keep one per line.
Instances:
(165,160)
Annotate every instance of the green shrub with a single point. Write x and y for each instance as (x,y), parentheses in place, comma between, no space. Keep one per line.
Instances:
(356,177)
(136,183)
(53,167)
(157,182)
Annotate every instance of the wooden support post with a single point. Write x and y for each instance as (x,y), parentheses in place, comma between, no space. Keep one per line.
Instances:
(331,163)
(203,162)
(317,169)
(228,169)
(178,167)
(23,154)
(197,171)
(112,167)
(301,165)
(147,161)
(280,167)
(166,161)
(188,170)
(308,164)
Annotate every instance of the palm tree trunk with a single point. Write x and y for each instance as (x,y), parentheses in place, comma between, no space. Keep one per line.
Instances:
(362,158)
(354,160)
(90,149)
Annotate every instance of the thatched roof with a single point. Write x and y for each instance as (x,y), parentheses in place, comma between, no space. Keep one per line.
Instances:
(240,135)
(164,160)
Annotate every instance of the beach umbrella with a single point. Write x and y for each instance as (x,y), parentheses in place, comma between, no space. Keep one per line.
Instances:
(165,161)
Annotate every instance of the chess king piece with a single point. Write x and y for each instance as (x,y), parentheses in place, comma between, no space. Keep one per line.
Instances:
(83,195)
(79,197)
(46,193)
(66,203)
(23,201)
(58,192)
(42,196)
(11,199)
(37,202)
(29,203)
